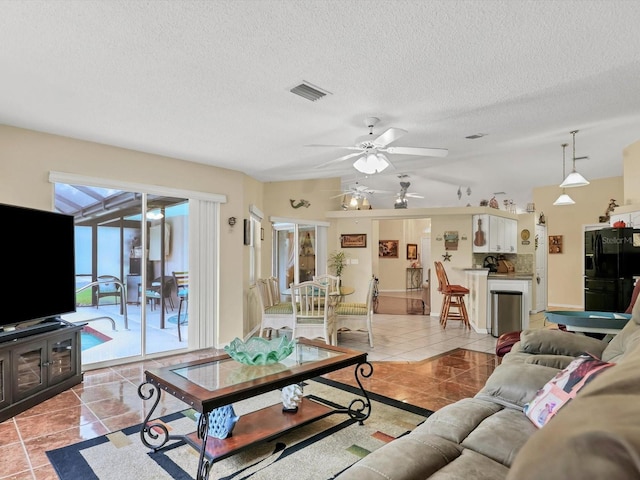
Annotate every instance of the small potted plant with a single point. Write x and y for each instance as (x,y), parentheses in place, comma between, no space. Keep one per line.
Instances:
(337,262)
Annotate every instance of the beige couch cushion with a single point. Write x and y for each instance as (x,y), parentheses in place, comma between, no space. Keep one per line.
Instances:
(596,435)
(514,384)
(626,340)
(558,342)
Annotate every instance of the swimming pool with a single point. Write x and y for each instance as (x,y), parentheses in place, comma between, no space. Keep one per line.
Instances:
(91,337)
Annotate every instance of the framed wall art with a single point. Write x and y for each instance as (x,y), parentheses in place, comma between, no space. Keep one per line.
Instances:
(555,243)
(353,240)
(412,251)
(388,248)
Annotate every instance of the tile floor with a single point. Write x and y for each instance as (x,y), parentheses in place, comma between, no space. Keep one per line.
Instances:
(409,361)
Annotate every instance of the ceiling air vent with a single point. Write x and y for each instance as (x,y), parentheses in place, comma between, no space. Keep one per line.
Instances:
(476,135)
(308,91)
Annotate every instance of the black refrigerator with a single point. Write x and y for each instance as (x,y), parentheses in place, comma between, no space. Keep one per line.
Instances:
(612,259)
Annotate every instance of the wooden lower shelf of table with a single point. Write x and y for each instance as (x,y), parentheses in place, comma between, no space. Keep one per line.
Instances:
(259,426)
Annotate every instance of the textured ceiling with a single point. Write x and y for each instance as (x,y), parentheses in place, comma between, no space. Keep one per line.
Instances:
(209,82)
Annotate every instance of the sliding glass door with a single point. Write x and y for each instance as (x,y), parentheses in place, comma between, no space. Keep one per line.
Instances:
(126,292)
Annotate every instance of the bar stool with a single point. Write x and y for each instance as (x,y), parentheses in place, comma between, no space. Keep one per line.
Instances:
(453,297)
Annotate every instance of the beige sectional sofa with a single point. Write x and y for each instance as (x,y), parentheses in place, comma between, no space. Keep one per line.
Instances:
(594,436)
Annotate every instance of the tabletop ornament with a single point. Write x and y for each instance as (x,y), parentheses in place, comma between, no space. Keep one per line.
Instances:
(291,397)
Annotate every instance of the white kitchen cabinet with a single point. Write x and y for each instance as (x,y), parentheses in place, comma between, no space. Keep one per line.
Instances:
(631,219)
(500,234)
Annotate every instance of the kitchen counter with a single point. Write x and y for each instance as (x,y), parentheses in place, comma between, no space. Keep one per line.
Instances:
(510,276)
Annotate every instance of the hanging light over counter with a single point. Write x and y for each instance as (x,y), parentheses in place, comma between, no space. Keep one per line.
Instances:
(574,179)
(564,199)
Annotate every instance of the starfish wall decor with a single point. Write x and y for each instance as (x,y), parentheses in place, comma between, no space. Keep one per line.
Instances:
(446,257)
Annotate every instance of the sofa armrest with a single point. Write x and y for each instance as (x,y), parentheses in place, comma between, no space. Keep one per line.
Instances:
(558,342)
(514,384)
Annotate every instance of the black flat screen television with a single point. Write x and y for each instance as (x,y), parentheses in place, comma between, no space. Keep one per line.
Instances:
(40,284)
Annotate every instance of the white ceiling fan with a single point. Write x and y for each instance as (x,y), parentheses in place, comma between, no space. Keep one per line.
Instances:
(358,191)
(372,149)
(401,198)
(356,196)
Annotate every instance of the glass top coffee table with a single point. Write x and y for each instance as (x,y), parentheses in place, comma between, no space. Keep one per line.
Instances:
(218,381)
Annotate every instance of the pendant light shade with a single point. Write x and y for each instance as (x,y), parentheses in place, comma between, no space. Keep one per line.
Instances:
(564,199)
(574,179)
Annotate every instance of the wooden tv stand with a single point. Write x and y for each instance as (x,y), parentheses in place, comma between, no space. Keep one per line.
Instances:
(38,366)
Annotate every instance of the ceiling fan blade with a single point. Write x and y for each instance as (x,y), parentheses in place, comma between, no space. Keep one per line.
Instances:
(413,195)
(423,151)
(339,159)
(348,147)
(391,135)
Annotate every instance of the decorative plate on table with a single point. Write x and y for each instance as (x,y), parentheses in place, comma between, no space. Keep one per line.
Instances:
(260,351)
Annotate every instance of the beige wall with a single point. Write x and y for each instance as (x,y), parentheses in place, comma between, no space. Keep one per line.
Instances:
(565,270)
(631,159)
(460,258)
(27,157)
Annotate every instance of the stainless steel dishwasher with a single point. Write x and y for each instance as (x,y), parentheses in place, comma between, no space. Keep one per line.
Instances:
(506,311)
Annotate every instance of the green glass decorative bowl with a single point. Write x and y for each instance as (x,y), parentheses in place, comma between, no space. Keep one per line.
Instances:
(260,351)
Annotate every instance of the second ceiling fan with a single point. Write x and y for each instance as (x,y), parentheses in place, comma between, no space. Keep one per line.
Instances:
(372,149)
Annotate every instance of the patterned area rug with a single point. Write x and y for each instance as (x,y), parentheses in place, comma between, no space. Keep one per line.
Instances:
(319,450)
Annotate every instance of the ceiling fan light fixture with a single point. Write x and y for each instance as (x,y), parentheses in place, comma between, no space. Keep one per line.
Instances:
(370,164)
(354,201)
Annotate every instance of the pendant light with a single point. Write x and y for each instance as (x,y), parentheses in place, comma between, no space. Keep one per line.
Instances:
(574,179)
(564,199)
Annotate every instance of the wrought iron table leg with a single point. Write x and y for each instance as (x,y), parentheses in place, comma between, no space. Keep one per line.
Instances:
(204,465)
(153,435)
(360,409)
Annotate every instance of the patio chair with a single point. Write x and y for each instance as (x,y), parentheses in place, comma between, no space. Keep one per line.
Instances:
(160,288)
(108,286)
(181,280)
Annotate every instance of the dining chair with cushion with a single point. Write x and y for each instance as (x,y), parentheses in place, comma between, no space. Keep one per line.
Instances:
(355,316)
(274,316)
(452,297)
(274,290)
(181,280)
(331,281)
(314,317)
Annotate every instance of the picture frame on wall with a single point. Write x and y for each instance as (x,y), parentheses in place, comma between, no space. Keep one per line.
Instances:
(353,240)
(555,243)
(412,251)
(388,248)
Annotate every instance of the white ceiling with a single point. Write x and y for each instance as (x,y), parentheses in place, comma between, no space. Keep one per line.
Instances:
(209,81)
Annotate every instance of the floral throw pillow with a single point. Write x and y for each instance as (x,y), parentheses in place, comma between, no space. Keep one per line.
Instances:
(563,388)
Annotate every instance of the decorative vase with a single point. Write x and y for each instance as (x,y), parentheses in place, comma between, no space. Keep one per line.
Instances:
(222,420)
(291,397)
